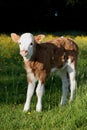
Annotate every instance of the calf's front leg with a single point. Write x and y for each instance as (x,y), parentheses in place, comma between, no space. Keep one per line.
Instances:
(39,93)
(30,91)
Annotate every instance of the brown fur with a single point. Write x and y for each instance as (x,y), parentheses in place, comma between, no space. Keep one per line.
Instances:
(54,53)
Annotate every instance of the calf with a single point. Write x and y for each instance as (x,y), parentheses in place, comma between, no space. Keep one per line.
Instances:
(59,55)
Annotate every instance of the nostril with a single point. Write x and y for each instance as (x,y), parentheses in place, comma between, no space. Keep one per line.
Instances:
(24,52)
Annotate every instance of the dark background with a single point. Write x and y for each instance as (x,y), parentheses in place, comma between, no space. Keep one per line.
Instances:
(43,15)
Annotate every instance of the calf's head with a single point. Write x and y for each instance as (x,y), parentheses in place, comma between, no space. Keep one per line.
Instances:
(26,43)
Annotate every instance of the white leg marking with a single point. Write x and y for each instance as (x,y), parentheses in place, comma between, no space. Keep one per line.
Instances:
(30,92)
(39,92)
(73,84)
(65,84)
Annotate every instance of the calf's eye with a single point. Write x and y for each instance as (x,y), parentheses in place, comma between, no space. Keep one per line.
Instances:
(31,44)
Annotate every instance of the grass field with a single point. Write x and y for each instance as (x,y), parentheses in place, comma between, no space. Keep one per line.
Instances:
(13,87)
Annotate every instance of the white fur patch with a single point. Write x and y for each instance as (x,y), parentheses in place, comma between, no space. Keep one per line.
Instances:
(31,75)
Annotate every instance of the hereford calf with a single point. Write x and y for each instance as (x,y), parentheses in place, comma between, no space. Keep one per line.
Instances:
(59,55)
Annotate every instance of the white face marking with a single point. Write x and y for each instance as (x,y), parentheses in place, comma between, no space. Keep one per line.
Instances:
(26,44)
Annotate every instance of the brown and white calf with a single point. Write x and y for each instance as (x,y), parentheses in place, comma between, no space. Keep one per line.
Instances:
(59,55)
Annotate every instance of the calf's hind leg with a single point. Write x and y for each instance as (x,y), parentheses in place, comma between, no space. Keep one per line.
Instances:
(72,77)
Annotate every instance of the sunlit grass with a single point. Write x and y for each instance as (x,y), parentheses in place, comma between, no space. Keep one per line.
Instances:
(13,86)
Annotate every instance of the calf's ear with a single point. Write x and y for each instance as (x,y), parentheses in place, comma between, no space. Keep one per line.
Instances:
(39,38)
(15,37)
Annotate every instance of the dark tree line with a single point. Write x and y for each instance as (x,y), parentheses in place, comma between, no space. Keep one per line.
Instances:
(43,14)
(44,2)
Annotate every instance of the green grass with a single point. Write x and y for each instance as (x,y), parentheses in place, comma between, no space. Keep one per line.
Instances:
(13,87)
